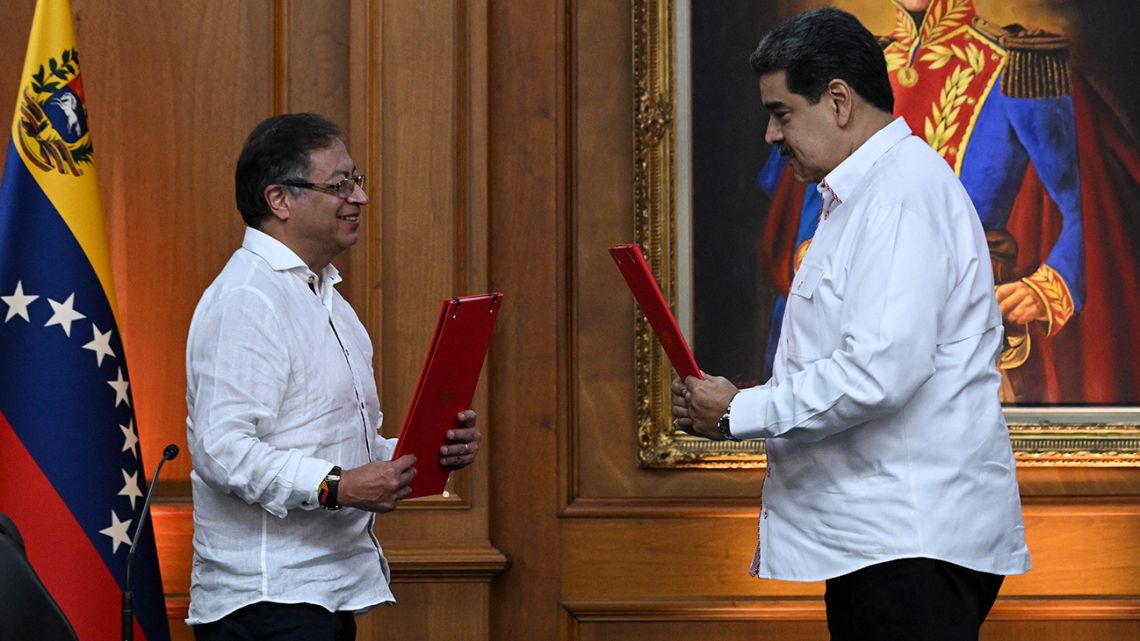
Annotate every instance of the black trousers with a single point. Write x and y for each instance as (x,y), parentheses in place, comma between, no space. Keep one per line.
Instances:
(267,621)
(910,600)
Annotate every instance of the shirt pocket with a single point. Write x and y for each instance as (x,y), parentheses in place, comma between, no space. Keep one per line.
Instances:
(806,281)
(801,331)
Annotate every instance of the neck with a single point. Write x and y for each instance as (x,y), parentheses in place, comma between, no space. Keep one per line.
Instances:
(309,255)
(860,132)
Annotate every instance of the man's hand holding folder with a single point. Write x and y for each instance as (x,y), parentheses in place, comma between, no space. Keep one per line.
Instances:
(698,402)
(438,422)
(380,485)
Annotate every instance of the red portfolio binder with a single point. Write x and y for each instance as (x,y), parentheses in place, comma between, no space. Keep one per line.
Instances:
(447,384)
(632,264)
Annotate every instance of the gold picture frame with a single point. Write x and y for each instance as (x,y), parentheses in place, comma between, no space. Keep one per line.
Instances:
(1047,436)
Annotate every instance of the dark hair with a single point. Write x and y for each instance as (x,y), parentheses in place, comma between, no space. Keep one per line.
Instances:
(277,150)
(819,46)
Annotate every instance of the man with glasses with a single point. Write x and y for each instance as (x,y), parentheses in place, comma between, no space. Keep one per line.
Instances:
(289,468)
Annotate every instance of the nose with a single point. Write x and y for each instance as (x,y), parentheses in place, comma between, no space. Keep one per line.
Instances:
(358,196)
(773,134)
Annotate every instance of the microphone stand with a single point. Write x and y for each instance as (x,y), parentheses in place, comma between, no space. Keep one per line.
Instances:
(128,628)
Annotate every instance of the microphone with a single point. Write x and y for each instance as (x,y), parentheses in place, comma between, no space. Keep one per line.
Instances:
(128,628)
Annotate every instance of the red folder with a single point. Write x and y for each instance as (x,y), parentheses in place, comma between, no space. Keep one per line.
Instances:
(447,384)
(632,264)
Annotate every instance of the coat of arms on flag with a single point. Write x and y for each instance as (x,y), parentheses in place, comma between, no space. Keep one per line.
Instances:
(52,121)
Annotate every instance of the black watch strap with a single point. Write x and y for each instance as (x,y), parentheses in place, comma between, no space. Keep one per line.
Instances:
(724,426)
(328,492)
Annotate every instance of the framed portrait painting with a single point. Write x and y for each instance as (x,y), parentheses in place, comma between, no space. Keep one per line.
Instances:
(1030,102)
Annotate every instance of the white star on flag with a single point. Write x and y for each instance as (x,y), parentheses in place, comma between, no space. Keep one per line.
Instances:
(18,303)
(100,344)
(121,386)
(130,439)
(117,532)
(63,314)
(131,487)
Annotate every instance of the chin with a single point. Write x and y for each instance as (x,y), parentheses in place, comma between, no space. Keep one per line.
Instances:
(803,177)
(348,240)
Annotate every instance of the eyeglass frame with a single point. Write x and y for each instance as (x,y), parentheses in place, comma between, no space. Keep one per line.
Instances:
(356,180)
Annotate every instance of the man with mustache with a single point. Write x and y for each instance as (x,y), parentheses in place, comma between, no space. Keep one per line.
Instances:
(890,473)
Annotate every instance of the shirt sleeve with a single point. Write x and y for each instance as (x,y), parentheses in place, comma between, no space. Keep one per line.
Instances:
(384,448)
(898,283)
(238,370)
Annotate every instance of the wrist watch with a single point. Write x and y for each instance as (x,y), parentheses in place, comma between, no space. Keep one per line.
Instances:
(723,425)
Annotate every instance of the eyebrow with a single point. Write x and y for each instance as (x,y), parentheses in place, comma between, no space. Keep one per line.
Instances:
(772,105)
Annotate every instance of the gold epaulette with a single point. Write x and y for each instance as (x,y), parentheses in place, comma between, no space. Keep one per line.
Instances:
(988,29)
(1037,65)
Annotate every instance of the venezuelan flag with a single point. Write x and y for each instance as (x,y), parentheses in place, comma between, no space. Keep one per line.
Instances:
(71,476)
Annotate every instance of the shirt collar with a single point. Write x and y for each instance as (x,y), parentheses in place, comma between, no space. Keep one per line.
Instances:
(281,258)
(843,180)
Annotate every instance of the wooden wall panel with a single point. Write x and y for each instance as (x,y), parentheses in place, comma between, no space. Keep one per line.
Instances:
(679,558)
(686,631)
(416,167)
(527,201)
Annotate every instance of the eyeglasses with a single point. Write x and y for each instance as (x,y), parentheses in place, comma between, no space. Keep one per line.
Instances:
(341,188)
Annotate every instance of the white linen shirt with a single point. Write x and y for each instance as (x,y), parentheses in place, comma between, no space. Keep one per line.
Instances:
(279,388)
(886,438)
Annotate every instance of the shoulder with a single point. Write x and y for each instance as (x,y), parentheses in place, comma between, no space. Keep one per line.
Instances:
(1037,61)
(917,179)
(913,159)
(245,284)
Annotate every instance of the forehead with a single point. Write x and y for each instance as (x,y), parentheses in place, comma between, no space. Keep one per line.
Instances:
(332,160)
(774,88)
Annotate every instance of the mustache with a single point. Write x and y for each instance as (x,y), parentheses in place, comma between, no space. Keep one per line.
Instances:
(784,149)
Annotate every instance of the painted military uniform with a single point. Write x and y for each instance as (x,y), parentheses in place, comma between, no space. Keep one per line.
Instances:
(990,100)
(993,102)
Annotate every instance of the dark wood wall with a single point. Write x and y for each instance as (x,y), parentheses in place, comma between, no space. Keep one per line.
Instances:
(497,140)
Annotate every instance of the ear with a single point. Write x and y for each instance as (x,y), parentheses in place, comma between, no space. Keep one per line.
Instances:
(277,198)
(841,97)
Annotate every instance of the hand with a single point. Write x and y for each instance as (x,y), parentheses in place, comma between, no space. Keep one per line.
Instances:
(1020,304)
(462,443)
(707,400)
(377,486)
(682,419)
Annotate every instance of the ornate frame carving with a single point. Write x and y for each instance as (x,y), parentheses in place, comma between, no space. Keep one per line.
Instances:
(1061,436)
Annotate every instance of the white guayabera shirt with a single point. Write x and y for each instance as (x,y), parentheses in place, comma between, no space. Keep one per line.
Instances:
(279,388)
(886,438)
